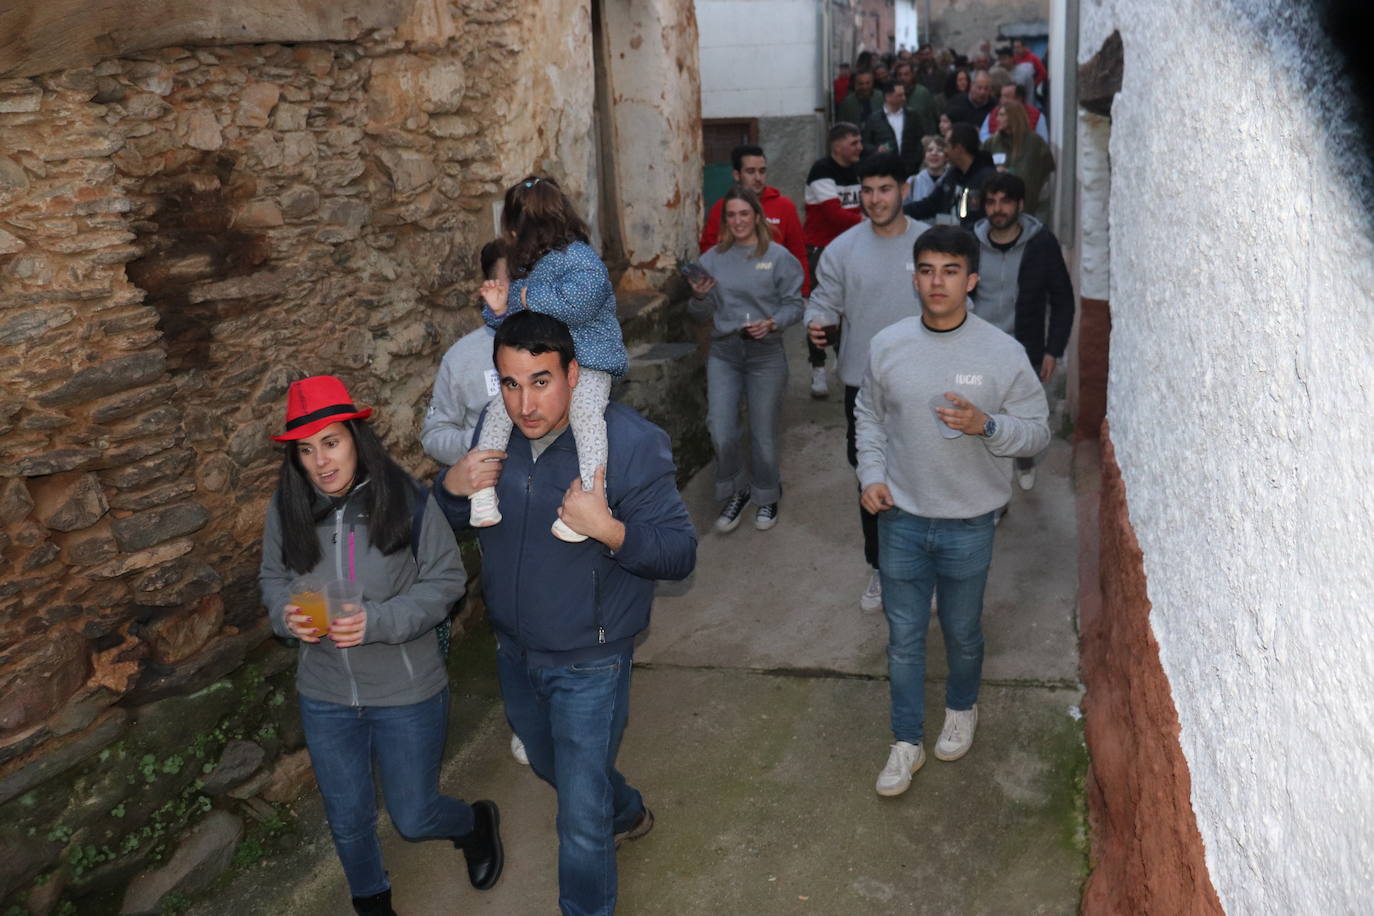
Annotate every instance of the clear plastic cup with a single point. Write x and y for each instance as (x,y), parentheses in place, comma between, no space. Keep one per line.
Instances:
(344,597)
(940,400)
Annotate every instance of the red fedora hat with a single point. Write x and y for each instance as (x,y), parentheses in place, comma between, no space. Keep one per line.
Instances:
(313,403)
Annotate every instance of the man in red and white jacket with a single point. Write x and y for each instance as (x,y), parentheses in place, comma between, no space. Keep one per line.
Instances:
(832,206)
(751,172)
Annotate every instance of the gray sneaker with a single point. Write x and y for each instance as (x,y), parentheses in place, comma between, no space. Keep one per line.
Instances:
(731,512)
(639,828)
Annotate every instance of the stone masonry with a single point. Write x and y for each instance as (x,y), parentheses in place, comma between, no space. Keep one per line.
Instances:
(183,232)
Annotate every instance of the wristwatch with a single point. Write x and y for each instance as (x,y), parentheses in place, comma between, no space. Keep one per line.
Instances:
(989,428)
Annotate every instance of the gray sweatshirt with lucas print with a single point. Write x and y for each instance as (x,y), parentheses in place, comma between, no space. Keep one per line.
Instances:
(898,433)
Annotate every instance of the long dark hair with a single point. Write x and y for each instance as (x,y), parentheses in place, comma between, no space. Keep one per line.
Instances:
(538,218)
(390,497)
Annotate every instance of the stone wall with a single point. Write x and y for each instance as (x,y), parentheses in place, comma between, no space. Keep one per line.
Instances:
(183,232)
(960,24)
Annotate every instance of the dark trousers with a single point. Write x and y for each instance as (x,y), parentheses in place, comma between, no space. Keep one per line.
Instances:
(867,520)
(814,354)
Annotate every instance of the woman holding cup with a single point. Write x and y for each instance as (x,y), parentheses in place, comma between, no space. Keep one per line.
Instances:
(349,526)
(752,292)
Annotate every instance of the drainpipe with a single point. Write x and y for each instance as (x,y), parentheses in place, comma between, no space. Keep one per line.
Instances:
(1064,115)
(928,20)
(825,109)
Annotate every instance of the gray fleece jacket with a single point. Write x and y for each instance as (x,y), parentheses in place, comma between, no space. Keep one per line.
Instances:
(406,595)
(467,380)
(898,433)
(994,299)
(863,284)
(762,287)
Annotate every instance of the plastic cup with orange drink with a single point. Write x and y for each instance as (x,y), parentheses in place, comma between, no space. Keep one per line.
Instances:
(307,593)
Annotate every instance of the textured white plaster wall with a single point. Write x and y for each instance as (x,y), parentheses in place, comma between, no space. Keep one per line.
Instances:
(1241,390)
(905,24)
(759,58)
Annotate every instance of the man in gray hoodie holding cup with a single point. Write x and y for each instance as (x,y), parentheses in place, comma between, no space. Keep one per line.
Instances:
(946,403)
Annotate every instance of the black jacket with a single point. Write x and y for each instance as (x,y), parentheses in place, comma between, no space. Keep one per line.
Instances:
(951,189)
(960,108)
(878,133)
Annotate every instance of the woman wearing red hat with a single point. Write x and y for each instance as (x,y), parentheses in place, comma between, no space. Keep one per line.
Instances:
(373,686)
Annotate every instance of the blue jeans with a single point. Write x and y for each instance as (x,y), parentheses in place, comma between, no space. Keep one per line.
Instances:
(918,557)
(571,719)
(407,743)
(755,370)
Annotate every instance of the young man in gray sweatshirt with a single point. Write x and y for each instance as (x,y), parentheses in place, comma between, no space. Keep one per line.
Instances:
(947,402)
(862,286)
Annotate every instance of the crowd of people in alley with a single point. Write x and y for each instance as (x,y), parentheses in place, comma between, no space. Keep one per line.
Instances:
(916,260)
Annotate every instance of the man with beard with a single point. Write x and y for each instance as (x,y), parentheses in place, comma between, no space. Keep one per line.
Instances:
(1022,275)
(863,284)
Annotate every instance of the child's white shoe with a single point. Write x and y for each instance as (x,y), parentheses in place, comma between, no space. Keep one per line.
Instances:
(484,511)
(564,533)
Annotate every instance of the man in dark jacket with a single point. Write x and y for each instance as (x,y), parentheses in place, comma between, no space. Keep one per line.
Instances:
(919,101)
(973,106)
(1021,276)
(957,197)
(566,614)
(881,133)
(861,102)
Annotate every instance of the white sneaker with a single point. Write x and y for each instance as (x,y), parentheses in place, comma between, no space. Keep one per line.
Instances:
(820,385)
(517,750)
(484,511)
(872,598)
(1025,477)
(564,533)
(902,762)
(957,735)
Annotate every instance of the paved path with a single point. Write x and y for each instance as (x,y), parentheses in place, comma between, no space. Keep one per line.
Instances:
(759,723)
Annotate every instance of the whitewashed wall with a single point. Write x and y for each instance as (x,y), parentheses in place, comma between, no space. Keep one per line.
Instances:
(1242,409)
(759,58)
(905,24)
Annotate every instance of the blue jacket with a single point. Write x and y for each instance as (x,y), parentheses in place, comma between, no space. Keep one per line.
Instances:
(563,603)
(573,286)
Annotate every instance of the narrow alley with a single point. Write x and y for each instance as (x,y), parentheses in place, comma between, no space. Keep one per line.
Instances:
(759,721)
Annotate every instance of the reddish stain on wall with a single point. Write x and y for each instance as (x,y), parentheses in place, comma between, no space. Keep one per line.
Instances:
(1147,852)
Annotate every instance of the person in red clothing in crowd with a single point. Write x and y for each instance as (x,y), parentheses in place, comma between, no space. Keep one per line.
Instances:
(832,206)
(842,84)
(751,172)
(1024,55)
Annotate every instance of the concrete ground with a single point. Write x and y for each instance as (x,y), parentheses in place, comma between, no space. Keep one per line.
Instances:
(759,723)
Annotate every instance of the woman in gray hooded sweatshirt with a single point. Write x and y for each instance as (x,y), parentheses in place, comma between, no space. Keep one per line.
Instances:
(752,292)
(373,686)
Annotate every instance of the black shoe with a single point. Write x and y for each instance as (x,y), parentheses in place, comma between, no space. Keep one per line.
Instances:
(376,905)
(642,825)
(766,517)
(482,847)
(731,512)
